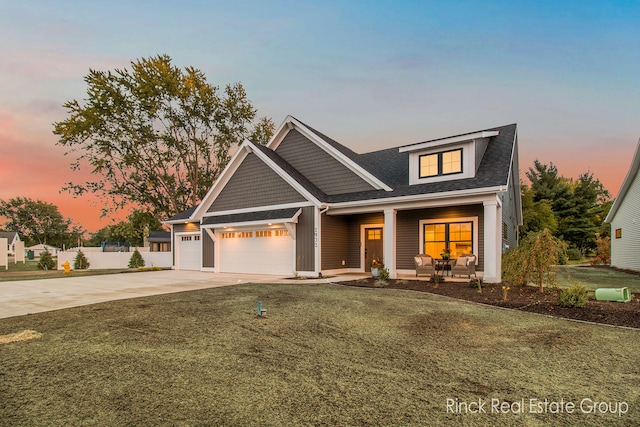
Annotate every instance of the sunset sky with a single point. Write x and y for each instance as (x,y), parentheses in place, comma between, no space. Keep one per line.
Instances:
(369,74)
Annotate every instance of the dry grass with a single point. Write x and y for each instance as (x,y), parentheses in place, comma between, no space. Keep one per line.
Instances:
(19,336)
(325,355)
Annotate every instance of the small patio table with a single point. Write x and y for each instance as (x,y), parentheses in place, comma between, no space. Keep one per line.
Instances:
(443,263)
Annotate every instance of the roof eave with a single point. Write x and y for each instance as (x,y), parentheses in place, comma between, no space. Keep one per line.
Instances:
(626,184)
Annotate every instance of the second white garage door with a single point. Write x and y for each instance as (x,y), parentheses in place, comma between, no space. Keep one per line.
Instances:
(257,252)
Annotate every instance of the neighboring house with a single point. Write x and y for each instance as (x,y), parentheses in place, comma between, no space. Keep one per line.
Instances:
(624,218)
(39,248)
(305,204)
(159,241)
(13,237)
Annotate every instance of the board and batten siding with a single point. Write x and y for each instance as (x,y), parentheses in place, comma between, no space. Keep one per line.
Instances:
(208,251)
(305,240)
(335,248)
(254,184)
(318,166)
(408,231)
(625,251)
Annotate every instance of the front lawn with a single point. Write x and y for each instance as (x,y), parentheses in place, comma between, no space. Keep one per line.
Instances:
(325,355)
(30,271)
(593,277)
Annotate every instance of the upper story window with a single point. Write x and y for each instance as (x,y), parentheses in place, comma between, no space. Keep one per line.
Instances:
(442,163)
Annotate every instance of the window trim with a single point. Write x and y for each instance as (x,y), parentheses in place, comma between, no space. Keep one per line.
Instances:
(475,237)
(440,155)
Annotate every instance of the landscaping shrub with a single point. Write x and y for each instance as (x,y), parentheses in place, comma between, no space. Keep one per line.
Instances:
(80,262)
(534,260)
(383,276)
(603,251)
(574,254)
(136,260)
(575,296)
(46,261)
(476,283)
(436,278)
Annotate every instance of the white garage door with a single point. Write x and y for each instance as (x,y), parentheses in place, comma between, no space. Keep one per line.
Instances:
(188,256)
(258,251)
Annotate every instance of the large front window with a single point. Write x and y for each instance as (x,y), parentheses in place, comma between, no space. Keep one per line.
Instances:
(457,236)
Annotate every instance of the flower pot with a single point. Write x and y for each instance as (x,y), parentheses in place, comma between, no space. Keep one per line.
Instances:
(375,272)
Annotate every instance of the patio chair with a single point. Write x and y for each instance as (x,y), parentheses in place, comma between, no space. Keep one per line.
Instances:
(464,265)
(424,265)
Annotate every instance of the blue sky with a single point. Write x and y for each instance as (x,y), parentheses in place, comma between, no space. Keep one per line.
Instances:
(369,74)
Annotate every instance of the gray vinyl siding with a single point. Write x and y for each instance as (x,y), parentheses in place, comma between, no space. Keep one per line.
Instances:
(354,241)
(305,240)
(509,217)
(408,231)
(510,207)
(208,251)
(335,247)
(625,251)
(254,184)
(318,166)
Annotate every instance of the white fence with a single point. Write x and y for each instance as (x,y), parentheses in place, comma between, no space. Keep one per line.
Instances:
(105,260)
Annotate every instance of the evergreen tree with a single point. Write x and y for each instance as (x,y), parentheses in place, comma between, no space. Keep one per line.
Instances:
(80,262)
(46,261)
(579,207)
(136,260)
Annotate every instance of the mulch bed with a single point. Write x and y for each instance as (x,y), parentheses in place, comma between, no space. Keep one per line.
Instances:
(524,298)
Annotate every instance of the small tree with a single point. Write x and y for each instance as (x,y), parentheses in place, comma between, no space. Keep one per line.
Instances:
(136,260)
(80,262)
(603,251)
(46,261)
(533,260)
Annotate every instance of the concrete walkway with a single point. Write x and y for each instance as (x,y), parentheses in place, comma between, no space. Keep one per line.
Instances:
(34,296)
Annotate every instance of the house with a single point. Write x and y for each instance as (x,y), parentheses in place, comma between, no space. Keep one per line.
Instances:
(159,241)
(13,237)
(624,217)
(305,204)
(39,248)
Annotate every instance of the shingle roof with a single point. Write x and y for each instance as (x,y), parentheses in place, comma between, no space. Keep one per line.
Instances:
(10,235)
(184,214)
(159,236)
(392,167)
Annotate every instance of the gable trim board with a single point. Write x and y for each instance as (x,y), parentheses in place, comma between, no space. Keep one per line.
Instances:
(315,216)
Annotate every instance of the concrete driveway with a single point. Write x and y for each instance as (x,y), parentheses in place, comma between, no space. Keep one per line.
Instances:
(34,296)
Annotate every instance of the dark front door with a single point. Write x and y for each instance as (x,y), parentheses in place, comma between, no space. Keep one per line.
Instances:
(373,247)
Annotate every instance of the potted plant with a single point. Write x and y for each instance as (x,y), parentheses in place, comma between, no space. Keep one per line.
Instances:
(446,253)
(376,266)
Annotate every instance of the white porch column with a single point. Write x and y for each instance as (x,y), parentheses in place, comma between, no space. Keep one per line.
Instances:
(492,241)
(389,240)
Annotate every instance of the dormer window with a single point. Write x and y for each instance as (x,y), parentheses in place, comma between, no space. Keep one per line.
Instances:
(442,163)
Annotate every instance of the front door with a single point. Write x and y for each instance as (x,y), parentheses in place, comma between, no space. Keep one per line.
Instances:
(373,247)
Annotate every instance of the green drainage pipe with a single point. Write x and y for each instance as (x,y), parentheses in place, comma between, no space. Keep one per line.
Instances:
(611,294)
